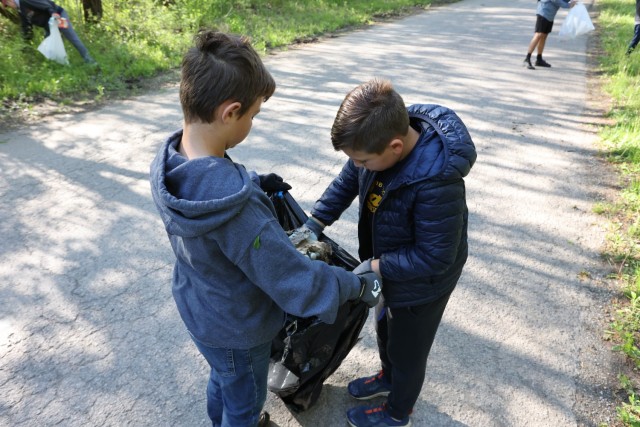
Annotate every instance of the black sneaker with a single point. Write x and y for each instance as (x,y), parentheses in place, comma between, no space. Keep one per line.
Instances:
(264,419)
(527,63)
(542,63)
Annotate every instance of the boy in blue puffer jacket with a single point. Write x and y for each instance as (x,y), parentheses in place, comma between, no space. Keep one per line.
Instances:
(407,168)
(231,283)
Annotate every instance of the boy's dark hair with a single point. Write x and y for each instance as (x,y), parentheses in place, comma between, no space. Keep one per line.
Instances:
(221,67)
(369,118)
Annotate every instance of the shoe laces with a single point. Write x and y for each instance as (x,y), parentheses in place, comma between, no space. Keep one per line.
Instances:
(375,378)
(376,409)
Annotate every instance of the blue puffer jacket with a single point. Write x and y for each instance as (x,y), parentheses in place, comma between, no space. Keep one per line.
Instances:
(420,226)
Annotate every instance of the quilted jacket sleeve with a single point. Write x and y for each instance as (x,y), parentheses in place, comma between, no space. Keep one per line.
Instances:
(338,195)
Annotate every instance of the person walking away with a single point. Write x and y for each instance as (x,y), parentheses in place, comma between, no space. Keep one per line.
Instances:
(636,30)
(545,14)
(406,166)
(38,13)
(236,271)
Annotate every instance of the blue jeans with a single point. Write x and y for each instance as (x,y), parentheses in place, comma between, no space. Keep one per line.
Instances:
(237,387)
(636,37)
(70,34)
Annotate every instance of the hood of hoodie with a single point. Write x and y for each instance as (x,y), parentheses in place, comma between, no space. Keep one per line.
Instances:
(444,150)
(196,196)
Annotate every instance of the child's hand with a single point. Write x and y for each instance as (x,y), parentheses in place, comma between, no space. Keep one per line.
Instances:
(371,283)
(62,22)
(301,234)
(368,265)
(311,230)
(371,288)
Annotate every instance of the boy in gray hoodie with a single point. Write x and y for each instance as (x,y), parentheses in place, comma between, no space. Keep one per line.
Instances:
(230,283)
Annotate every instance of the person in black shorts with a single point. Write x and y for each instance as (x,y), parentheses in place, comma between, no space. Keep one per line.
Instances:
(545,14)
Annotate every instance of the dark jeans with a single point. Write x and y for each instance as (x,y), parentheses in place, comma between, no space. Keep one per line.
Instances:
(636,37)
(237,387)
(405,336)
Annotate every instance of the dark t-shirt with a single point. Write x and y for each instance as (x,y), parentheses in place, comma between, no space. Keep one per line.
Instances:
(374,197)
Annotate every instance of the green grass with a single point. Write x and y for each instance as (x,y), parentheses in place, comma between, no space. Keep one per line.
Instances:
(621,142)
(143,38)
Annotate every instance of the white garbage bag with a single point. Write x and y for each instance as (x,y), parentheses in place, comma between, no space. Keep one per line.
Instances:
(52,46)
(576,23)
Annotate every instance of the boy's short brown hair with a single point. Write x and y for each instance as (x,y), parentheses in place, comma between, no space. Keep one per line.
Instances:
(218,68)
(369,118)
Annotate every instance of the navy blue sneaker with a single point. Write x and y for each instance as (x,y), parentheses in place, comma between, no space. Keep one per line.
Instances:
(374,416)
(369,387)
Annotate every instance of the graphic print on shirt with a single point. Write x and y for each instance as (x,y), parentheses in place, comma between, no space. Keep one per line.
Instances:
(374,196)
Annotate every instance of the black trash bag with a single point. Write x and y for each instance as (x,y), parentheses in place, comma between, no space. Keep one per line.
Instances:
(307,351)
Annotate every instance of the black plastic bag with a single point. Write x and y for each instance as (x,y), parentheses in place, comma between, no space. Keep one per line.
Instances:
(307,351)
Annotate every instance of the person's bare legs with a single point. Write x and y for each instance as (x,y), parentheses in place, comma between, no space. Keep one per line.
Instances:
(539,61)
(541,42)
(535,43)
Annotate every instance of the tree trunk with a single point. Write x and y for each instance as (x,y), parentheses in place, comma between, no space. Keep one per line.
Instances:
(92,10)
(12,14)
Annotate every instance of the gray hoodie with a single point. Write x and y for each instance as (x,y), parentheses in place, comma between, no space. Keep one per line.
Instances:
(236,271)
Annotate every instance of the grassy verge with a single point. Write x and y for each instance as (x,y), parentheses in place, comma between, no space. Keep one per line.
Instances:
(137,40)
(621,141)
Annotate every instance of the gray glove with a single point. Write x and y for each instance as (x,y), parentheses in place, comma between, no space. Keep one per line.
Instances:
(371,284)
(364,267)
(302,234)
(314,226)
(309,231)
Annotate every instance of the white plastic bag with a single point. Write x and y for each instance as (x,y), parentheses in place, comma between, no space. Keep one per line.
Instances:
(576,23)
(52,46)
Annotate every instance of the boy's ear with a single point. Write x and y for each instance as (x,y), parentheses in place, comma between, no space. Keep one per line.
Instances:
(396,145)
(228,109)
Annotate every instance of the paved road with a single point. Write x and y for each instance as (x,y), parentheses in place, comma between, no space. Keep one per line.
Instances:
(88,331)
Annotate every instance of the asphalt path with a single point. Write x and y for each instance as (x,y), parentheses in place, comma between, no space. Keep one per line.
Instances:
(89,334)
